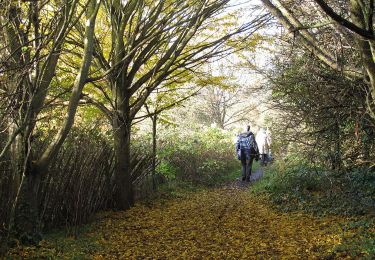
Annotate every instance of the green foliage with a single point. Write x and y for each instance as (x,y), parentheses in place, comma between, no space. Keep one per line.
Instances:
(293,184)
(306,94)
(204,157)
(358,239)
(167,170)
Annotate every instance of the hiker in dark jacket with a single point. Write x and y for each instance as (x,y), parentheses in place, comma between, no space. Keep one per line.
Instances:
(247,151)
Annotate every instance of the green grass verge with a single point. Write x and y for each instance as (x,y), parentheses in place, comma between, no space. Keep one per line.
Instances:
(351,195)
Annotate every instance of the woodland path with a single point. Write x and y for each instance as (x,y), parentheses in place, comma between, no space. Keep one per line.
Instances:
(238,184)
(222,223)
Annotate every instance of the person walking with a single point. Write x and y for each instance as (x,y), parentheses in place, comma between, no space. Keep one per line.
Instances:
(261,139)
(269,143)
(247,151)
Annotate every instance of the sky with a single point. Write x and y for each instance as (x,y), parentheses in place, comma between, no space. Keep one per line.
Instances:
(260,57)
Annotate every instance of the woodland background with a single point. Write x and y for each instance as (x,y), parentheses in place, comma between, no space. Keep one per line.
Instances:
(105,102)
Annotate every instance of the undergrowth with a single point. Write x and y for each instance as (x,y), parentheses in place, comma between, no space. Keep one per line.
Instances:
(201,158)
(296,185)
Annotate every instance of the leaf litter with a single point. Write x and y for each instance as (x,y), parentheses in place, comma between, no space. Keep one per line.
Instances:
(220,223)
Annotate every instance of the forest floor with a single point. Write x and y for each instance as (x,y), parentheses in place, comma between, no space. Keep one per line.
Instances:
(226,222)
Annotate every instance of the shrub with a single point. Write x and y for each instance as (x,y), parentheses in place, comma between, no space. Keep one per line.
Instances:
(295,184)
(197,157)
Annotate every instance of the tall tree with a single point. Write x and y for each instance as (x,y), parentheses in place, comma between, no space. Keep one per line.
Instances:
(152,42)
(35,34)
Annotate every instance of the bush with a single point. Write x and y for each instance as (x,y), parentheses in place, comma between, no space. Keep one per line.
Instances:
(358,240)
(79,181)
(202,158)
(295,184)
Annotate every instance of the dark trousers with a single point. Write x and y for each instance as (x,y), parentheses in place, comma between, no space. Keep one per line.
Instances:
(247,163)
(263,159)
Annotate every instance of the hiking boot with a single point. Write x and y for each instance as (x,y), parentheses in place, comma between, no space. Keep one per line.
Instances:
(243,178)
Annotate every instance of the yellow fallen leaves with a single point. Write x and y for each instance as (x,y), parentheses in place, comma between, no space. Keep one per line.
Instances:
(217,224)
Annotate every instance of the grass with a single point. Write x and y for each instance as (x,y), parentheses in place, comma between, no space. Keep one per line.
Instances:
(235,173)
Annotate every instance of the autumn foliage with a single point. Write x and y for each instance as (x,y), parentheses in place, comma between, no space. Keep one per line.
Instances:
(218,224)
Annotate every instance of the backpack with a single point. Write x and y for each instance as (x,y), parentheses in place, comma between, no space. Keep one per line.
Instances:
(246,141)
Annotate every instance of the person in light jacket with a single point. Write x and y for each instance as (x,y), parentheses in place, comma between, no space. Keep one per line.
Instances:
(269,142)
(261,139)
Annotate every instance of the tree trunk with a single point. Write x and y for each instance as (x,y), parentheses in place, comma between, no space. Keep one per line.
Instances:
(122,129)
(154,124)
(26,215)
(336,155)
(17,160)
(363,44)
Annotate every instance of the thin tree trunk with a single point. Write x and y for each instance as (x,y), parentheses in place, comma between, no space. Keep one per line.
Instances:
(154,129)
(16,159)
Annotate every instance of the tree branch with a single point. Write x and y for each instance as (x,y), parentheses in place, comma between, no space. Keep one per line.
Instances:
(342,21)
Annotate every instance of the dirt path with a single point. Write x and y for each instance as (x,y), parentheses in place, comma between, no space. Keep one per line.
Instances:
(217,224)
(255,176)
